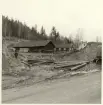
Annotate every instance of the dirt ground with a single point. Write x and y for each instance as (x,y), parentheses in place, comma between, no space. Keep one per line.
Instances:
(42,73)
(80,89)
(17,74)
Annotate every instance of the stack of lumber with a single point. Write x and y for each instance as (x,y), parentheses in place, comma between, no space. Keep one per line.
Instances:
(69,64)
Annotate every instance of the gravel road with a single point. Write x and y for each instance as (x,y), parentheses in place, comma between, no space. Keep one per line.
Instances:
(82,89)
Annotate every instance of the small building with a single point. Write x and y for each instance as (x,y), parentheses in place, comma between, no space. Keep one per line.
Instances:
(81,45)
(63,47)
(35,46)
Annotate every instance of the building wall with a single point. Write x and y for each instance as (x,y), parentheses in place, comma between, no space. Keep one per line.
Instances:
(23,49)
(36,49)
(63,49)
(49,46)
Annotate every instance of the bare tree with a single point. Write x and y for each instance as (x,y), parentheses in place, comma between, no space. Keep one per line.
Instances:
(78,38)
(100,38)
(71,38)
(97,39)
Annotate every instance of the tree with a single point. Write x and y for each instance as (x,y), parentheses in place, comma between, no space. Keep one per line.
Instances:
(4,26)
(100,37)
(32,33)
(79,37)
(97,39)
(71,38)
(15,28)
(57,37)
(42,31)
(54,35)
(68,40)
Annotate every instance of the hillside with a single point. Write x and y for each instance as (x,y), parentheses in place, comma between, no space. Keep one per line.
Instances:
(88,53)
(12,28)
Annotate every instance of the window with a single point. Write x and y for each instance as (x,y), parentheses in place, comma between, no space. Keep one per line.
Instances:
(64,49)
(55,49)
(59,49)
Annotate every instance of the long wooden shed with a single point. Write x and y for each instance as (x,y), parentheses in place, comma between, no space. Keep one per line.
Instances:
(35,46)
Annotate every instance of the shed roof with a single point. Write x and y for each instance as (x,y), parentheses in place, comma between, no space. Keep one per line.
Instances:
(32,43)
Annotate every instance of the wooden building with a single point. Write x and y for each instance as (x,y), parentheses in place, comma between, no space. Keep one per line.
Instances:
(63,47)
(35,46)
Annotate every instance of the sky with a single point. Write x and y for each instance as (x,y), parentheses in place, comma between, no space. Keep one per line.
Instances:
(66,15)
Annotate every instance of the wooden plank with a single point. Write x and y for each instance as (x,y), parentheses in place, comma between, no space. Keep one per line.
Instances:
(78,67)
(69,65)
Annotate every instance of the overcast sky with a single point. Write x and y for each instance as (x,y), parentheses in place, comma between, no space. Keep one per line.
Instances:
(66,15)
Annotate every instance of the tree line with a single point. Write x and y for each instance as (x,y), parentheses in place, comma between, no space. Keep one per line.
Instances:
(15,28)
